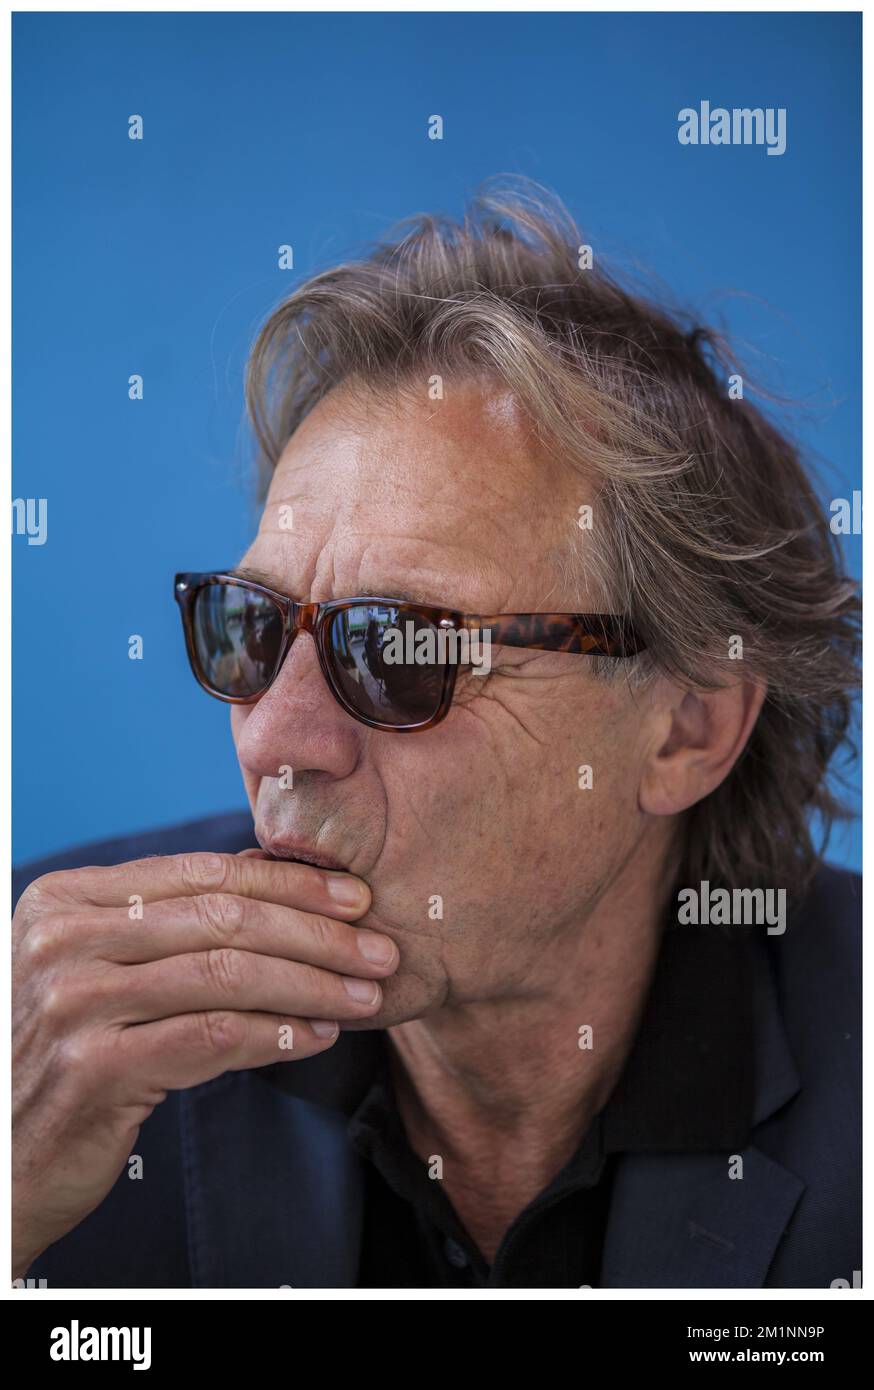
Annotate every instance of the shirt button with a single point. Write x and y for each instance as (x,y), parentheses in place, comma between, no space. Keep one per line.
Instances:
(455,1255)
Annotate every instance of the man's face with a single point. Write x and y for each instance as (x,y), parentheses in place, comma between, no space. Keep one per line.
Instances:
(478,842)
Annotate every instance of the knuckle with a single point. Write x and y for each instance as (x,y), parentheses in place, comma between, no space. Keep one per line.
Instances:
(74,1056)
(57,1003)
(202,872)
(224,967)
(87,1063)
(45,941)
(326,933)
(221,1030)
(312,981)
(220,913)
(69,996)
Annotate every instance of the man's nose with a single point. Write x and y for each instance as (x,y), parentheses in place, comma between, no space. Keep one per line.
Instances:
(297,723)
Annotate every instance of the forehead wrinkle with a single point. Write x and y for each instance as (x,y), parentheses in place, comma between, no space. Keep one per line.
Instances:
(360,564)
(478,528)
(464,588)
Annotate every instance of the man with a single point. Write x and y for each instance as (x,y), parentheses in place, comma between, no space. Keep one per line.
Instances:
(453,1008)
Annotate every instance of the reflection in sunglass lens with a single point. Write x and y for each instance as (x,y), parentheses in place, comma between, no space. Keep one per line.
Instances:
(371,648)
(237,638)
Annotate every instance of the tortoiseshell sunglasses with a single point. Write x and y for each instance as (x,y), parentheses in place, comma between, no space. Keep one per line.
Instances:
(239,632)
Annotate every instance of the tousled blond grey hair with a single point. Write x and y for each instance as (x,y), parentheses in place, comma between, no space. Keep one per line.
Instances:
(707,527)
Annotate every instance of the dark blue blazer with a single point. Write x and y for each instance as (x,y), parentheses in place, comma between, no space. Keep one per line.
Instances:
(247,1186)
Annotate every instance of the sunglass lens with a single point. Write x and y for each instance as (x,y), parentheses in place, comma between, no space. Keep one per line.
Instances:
(237,639)
(385,663)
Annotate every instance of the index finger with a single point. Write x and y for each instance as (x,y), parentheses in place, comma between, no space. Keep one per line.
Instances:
(279,881)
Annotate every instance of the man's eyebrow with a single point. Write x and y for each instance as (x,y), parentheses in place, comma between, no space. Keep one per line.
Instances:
(403,595)
(256,576)
(399,594)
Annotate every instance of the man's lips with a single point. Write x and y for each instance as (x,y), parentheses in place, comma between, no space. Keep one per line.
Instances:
(299,853)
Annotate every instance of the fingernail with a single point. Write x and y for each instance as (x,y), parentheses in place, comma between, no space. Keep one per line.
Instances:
(379,950)
(323,1028)
(362,991)
(346,890)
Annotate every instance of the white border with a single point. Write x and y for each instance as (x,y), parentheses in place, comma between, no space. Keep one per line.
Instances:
(332,1295)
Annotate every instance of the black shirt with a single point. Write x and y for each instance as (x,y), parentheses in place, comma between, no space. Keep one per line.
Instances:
(413,1238)
(687,1086)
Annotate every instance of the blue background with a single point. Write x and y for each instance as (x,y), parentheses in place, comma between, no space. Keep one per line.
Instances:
(160,257)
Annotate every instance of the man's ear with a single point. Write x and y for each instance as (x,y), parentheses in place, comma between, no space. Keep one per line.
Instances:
(698,737)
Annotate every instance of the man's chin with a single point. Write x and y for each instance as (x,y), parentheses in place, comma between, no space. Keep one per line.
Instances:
(403,1001)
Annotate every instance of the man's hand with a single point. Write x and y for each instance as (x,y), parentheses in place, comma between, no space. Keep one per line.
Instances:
(151,976)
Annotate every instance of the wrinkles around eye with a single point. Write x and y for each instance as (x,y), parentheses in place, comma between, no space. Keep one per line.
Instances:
(490,692)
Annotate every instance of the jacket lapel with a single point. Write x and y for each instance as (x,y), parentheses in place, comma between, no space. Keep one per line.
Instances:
(272,1192)
(682,1220)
